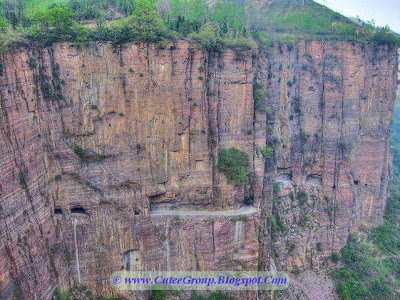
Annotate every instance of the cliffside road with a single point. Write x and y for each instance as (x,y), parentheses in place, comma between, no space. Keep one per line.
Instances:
(245,210)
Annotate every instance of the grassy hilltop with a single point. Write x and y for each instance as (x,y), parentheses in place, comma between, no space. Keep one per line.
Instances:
(212,24)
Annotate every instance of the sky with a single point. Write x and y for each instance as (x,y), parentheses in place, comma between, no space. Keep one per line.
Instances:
(384,12)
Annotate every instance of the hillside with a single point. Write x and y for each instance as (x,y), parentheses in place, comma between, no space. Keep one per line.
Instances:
(214,25)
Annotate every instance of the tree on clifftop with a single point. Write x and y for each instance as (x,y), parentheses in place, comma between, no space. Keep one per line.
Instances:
(147,23)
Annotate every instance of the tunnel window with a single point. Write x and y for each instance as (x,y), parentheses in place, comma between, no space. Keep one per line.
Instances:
(248,201)
(57,211)
(78,210)
(136,213)
(129,260)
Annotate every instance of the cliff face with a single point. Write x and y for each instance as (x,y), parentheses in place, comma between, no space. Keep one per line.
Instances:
(97,141)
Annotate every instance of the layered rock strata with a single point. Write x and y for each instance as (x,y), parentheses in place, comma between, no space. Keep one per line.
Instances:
(95,140)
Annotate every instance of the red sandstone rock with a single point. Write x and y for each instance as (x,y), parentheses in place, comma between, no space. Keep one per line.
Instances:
(150,122)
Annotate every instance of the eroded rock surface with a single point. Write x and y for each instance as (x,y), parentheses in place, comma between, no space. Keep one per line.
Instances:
(95,138)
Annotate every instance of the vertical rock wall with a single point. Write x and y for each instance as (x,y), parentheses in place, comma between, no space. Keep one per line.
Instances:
(331,105)
(95,139)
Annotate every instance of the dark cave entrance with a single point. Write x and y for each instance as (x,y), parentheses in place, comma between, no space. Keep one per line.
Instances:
(78,210)
(248,201)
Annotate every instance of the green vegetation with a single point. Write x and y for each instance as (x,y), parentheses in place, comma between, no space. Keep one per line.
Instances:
(304,220)
(312,20)
(319,247)
(32,62)
(78,292)
(302,196)
(296,271)
(79,151)
(239,218)
(276,188)
(235,164)
(157,295)
(371,257)
(304,136)
(260,98)
(88,156)
(335,257)
(371,265)
(212,296)
(210,220)
(267,152)
(276,224)
(61,295)
(237,25)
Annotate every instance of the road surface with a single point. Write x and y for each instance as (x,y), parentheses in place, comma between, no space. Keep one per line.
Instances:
(245,210)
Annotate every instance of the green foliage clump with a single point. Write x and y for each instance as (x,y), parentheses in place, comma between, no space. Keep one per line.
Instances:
(206,37)
(335,257)
(276,188)
(302,196)
(157,295)
(235,164)
(4,24)
(304,136)
(146,22)
(320,247)
(79,151)
(210,220)
(54,24)
(32,63)
(240,44)
(276,224)
(61,295)
(239,218)
(296,271)
(304,220)
(260,97)
(47,90)
(267,152)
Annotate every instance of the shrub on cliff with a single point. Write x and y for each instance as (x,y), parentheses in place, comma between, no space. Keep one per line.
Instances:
(260,97)
(384,35)
(206,37)
(235,164)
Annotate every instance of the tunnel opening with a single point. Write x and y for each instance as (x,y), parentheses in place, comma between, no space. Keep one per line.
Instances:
(78,210)
(130,259)
(136,213)
(248,201)
(57,211)
(284,177)
(314,180)
(356,182)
